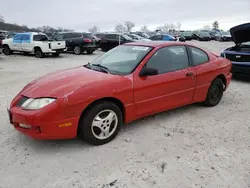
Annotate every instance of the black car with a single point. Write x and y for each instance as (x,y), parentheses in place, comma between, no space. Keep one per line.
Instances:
(202,36)
(186,35)
(111,40)
(239,54)
(2,37)
(223,36)
(77,42)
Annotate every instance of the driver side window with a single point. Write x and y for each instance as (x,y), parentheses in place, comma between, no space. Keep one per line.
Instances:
(169,59)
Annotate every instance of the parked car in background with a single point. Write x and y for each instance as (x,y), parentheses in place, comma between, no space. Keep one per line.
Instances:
(213,34)
(77,42)
(186,35)
(127,83)
(166,37)
(32,42)
(137,37)
(203,36)
(11,35)
(223,36)
(142,34)
(240,53)
(2,37)
(112,40)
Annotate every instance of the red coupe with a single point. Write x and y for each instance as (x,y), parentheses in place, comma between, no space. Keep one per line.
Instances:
(128,82)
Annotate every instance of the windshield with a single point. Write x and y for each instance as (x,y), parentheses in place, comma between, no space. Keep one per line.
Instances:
(145,35)
(40,38)
(226,33)
(122,59)
(137,36)
(204,34)
(127,37)
(132,36)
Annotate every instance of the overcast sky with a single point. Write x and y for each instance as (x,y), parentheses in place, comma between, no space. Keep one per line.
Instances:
(83,14)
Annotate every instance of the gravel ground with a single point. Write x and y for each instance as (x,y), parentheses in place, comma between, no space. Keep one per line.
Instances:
(192,146)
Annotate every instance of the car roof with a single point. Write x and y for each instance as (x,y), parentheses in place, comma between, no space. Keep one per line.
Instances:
(156,43)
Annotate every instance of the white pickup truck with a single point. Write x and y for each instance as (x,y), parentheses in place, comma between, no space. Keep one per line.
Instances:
(35,43)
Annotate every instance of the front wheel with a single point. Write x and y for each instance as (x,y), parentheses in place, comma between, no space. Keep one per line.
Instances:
(215,93)
(101,123)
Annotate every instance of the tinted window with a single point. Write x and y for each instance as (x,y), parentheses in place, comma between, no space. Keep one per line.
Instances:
(58,37)
(157,37)
(199,56)
(112,36)
(169,59)
(18,37)
(26,37)
(87,35)
(40,38)
(76,35)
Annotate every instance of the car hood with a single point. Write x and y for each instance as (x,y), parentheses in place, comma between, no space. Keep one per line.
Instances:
(240,33)
(65,82)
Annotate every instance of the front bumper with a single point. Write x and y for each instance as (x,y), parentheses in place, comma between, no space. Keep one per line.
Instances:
(39,127)
(241,69)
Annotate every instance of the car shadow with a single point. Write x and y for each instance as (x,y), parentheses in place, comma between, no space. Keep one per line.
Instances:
(242,78)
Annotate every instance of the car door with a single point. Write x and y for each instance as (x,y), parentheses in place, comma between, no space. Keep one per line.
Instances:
(204,71)
(17,43)
(173,86)
(26,42)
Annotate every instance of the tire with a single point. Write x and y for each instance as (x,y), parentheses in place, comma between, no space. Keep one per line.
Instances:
(39,53)
(90,51)
(7,50)
(94,133)
(77,50)
(215,93)
(55,54)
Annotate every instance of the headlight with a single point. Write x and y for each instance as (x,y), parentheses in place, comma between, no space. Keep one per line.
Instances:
(34,104)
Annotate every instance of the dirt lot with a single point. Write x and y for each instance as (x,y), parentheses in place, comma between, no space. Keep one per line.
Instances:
(189,147)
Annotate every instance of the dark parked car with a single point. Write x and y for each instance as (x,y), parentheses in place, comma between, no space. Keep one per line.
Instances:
(240,53)
(186,35)
(213,34)
(223,36)
(202,36)
(141,34)
(2,37)
(111,40)
(77,42)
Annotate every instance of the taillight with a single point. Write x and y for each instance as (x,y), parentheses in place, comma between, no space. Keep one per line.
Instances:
(87,40)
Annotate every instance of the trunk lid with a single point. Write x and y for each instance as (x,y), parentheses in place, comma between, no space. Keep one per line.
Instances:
(57,45)
(241,33)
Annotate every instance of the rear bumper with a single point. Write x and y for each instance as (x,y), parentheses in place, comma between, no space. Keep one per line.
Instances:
(90,47)
(58,50)
(241,69)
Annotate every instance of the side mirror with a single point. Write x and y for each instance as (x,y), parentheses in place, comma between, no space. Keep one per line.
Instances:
(148,72)
(182,39)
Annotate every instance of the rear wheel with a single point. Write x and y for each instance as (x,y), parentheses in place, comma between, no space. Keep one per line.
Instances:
(101,123)
(55,54)
(215,93)
(7,50)
(77,50)
(90,51)
(39,53)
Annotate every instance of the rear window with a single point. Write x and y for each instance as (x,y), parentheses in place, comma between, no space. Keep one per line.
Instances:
(204,34)
(40,38)
(87,35)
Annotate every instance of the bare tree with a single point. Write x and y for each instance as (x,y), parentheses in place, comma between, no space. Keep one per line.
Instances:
(216,25)
(93,29)
(129,25)
(144,28)
(120,28)
(2,19)
(164,28)
(178,26)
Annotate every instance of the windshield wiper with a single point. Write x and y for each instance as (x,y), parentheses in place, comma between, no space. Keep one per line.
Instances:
(103,68)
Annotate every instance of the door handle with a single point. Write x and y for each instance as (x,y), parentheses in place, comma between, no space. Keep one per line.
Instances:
(190,74)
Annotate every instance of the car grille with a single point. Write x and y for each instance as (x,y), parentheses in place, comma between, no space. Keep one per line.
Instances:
(21,101)
(238,58)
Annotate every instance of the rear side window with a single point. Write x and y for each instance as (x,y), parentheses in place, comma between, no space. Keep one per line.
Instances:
(111,36)
(76,35)
(40,38)
(199,56)
(157,37)
(26,37)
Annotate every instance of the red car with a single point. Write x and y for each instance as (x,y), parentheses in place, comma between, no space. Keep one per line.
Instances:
(127,83)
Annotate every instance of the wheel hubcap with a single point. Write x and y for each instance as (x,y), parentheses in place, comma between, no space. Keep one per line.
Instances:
(104,124)
(77,50)
(215,93)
